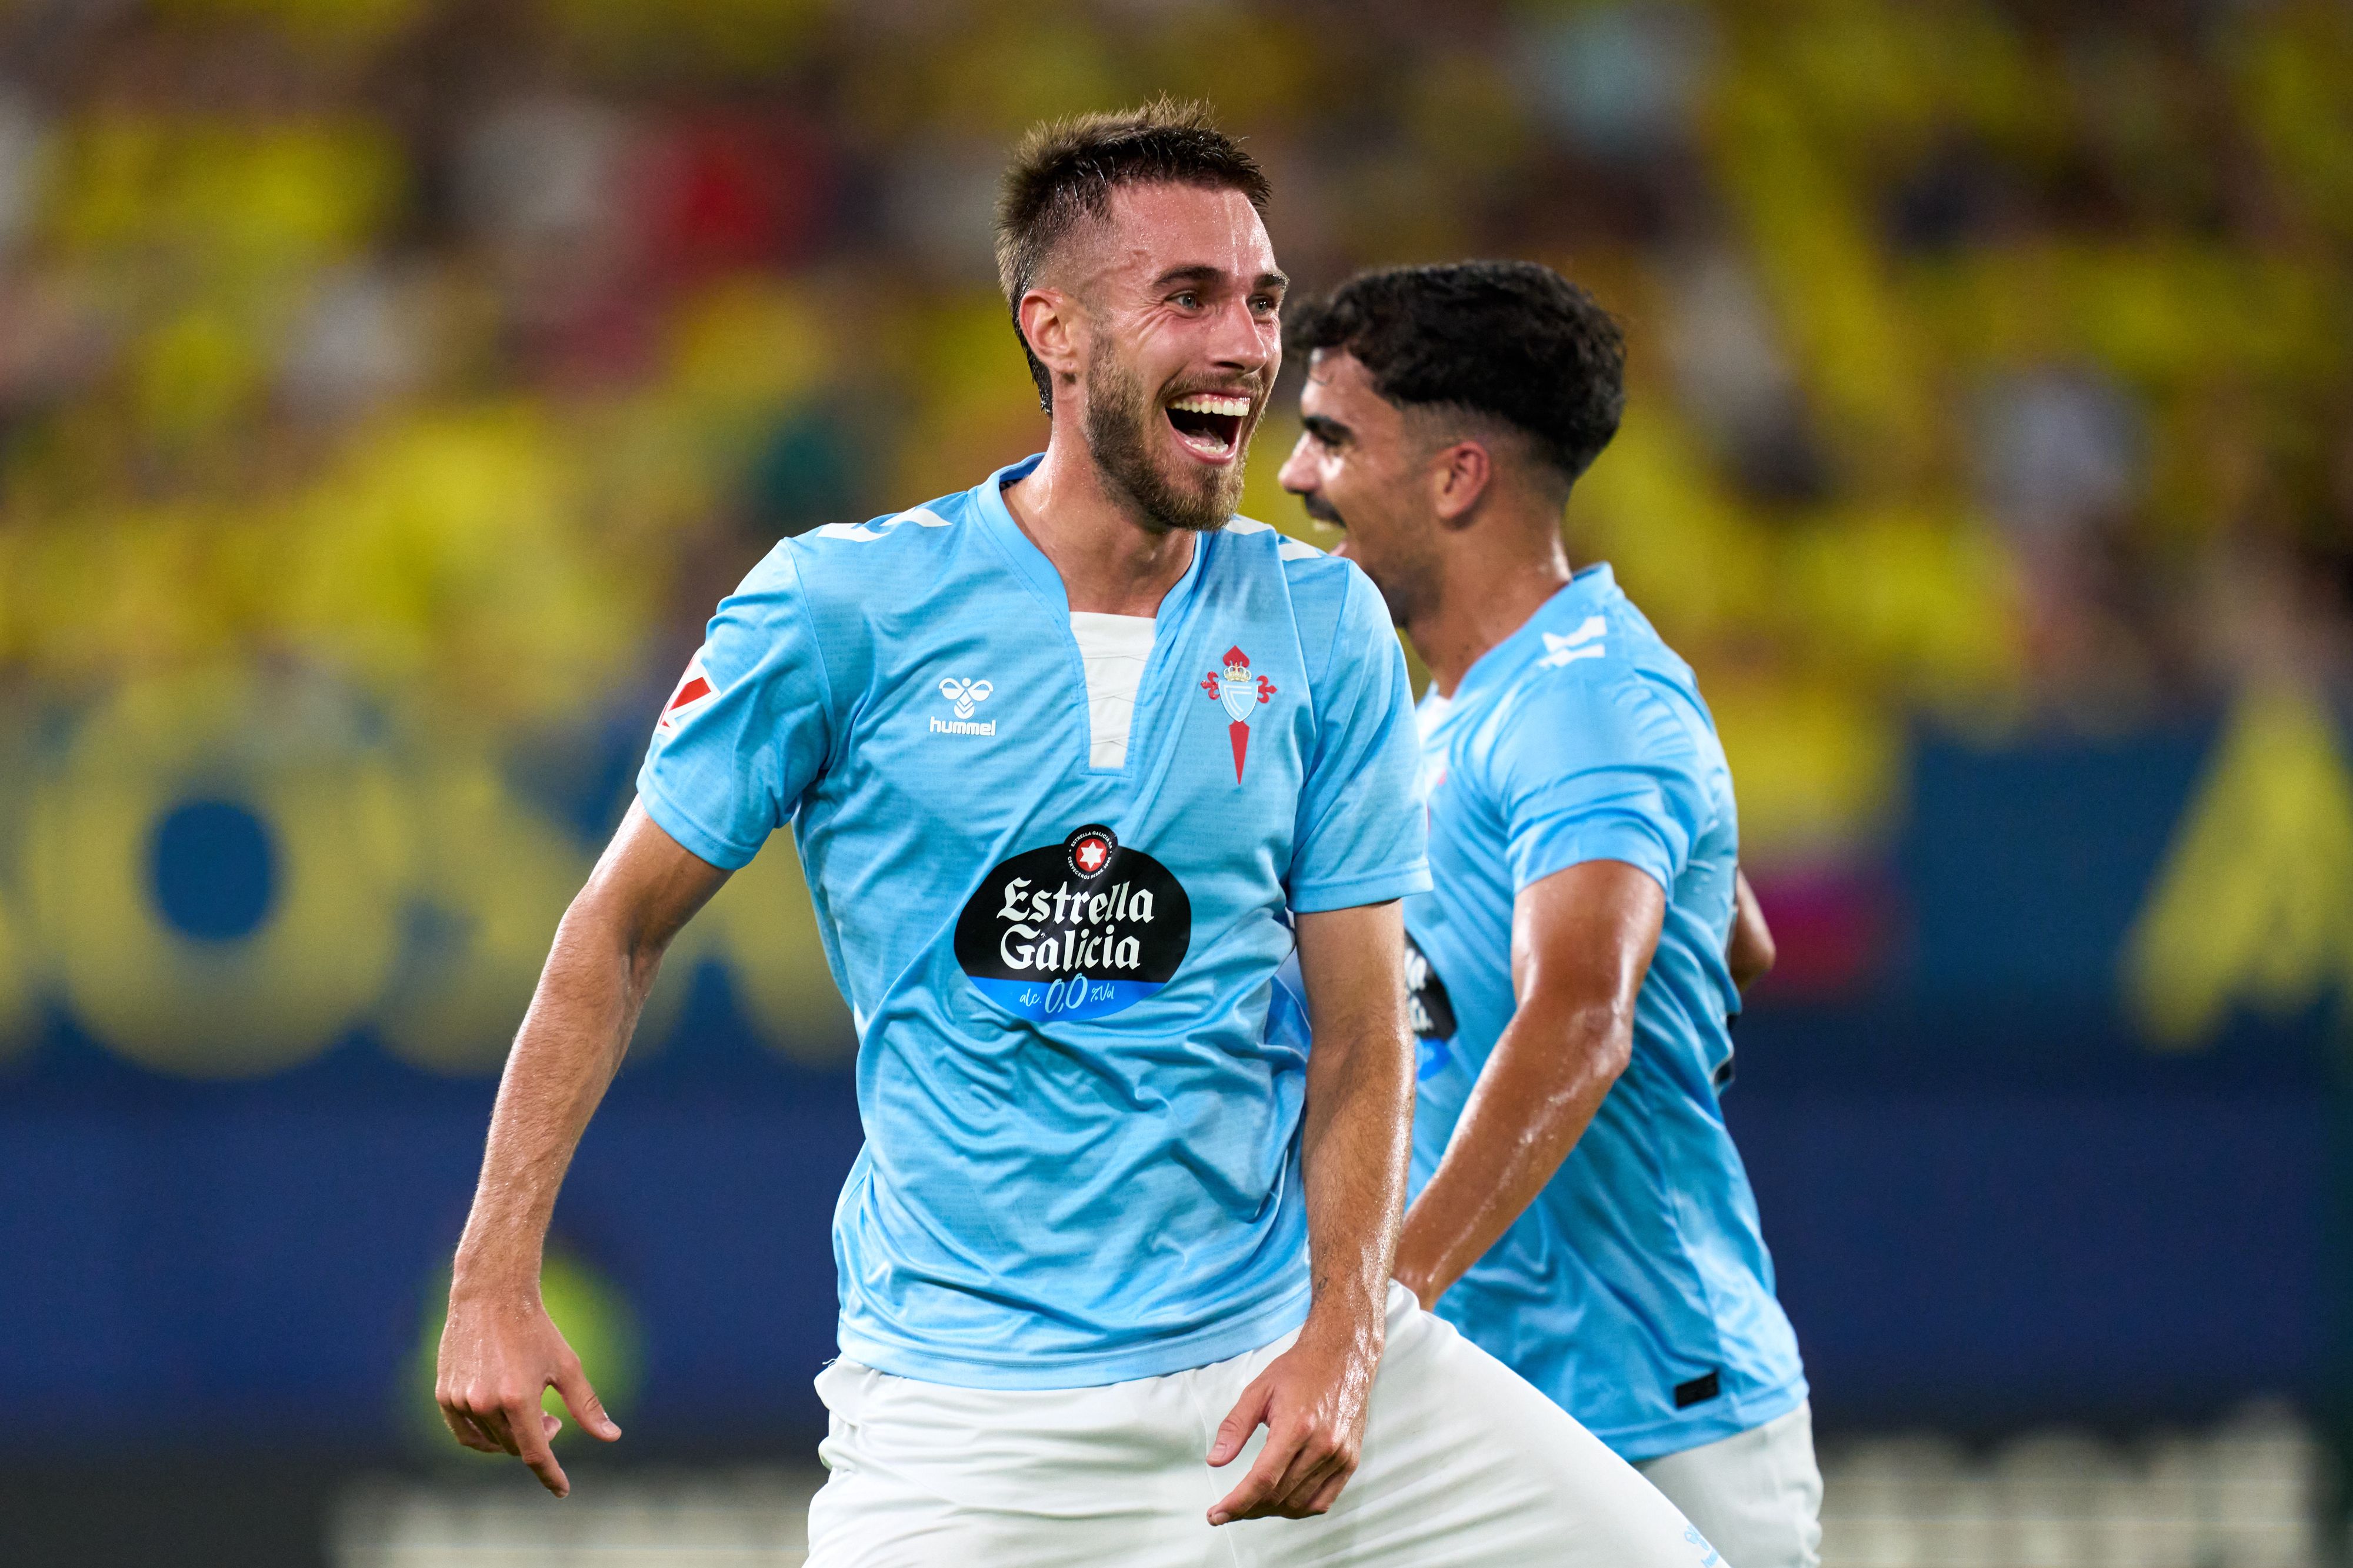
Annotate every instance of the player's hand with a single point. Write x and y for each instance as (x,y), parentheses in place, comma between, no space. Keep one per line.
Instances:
(498,1356)
(1311,1399)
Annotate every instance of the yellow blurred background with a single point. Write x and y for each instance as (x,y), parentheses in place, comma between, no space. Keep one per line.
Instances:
(1987,360)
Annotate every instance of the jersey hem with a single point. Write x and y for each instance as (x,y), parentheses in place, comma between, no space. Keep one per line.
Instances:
(1677,1433)
(1370,888)
(1628,844)
(698,840)
(1222,1341)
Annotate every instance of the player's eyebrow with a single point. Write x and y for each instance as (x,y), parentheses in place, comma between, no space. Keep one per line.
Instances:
(1331,431)
(1202,272)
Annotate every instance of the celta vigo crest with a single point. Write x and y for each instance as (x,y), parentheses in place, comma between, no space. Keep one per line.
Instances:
(1240,692)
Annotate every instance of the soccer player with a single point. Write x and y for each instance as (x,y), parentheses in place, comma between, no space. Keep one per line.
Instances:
(1578,1207)
(1058,751)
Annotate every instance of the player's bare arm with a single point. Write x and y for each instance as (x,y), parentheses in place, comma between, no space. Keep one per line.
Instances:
(1581,943)
(501,1350)
(1355,1138)
(1750,952)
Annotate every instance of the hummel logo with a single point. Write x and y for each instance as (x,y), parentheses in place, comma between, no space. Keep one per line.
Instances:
(1560,650)
(966,695)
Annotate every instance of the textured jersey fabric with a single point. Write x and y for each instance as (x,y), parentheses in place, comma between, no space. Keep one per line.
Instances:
(1636,1290)
(1081,1160)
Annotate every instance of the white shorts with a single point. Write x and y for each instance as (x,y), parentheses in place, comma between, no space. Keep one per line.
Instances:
(1758,1494)
(1463,1464)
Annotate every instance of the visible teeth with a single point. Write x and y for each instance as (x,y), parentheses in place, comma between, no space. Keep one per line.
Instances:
(1210,403)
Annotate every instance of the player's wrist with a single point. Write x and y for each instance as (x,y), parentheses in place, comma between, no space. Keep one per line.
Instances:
(1353,1319)
(494,1281)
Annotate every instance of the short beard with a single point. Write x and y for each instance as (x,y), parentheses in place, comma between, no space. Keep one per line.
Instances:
(1119,439)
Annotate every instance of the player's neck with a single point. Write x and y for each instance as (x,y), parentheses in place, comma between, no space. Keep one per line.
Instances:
(1485,596)
(1112,561)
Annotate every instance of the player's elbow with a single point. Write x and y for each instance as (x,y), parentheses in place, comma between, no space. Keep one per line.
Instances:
(1603,1043)
(1614,1053)
(602,930)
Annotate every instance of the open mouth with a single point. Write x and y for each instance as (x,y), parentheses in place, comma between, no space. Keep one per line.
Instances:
(1209,423)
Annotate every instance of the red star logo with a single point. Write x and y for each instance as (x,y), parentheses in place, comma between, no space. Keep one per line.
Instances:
(1091,853)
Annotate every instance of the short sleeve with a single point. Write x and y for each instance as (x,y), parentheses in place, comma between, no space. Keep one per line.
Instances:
(747,729)
(1362,831)
(1592,766)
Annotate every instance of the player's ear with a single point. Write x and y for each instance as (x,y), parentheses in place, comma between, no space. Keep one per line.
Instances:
(1050,321)
(1459,473)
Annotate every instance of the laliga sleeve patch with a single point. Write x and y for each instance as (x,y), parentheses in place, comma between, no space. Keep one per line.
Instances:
(1081,928)
(693,693)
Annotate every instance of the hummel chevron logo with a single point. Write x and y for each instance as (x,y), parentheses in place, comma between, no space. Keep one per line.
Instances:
(1578,644)
(966,695)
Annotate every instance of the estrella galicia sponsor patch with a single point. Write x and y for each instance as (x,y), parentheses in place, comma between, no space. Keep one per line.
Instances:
(1081,928)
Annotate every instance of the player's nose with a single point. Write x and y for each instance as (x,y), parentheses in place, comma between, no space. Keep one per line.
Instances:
(1243,341)
(1297,474)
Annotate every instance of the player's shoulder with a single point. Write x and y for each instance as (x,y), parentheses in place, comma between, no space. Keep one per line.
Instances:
(912,530)
(1266,548)
(1599,678)
(846,566)
(1322,591)
(1271,542)
(1321,586)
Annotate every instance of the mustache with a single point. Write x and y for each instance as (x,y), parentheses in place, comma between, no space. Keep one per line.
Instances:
(1253,386)
(1322,510)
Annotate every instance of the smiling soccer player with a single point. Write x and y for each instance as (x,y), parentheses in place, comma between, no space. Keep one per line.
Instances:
(1579,1209)
(1057,752)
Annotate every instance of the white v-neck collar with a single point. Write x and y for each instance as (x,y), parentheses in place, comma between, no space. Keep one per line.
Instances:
(1115,651)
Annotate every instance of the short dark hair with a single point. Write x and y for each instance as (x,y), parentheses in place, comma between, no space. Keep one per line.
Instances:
(1512,340)
(1064,172)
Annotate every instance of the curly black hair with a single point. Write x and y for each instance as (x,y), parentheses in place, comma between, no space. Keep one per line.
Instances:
(1512,340)
(1065,170)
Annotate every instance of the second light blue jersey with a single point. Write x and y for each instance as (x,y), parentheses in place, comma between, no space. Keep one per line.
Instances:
(1082,1159)
(1636,1290)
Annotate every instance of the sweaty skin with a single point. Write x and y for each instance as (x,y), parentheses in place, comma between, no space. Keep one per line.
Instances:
(1178,296)
(1749,952)
(500,1351)
(1581,943)
(1354,1144)
(1460,526)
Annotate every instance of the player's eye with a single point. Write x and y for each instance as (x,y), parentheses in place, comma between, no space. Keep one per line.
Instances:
(1188,298)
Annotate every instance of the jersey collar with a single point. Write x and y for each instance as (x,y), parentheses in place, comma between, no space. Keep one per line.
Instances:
(1586,593)
(1030,562)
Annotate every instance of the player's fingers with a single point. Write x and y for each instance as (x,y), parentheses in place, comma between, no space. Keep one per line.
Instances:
(1329,1493)
(479,1409)
(1247,1499)
(463,1428)
(494,1440)
(580,1398)
(530,1435)
(1300,1481)
(1243,1420)
(1310,1478)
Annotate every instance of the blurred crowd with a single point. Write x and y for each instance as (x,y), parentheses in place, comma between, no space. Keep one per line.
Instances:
(1990,361)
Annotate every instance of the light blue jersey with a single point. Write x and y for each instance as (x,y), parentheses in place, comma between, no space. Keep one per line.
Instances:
(1082,1161)
(1636,1290)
